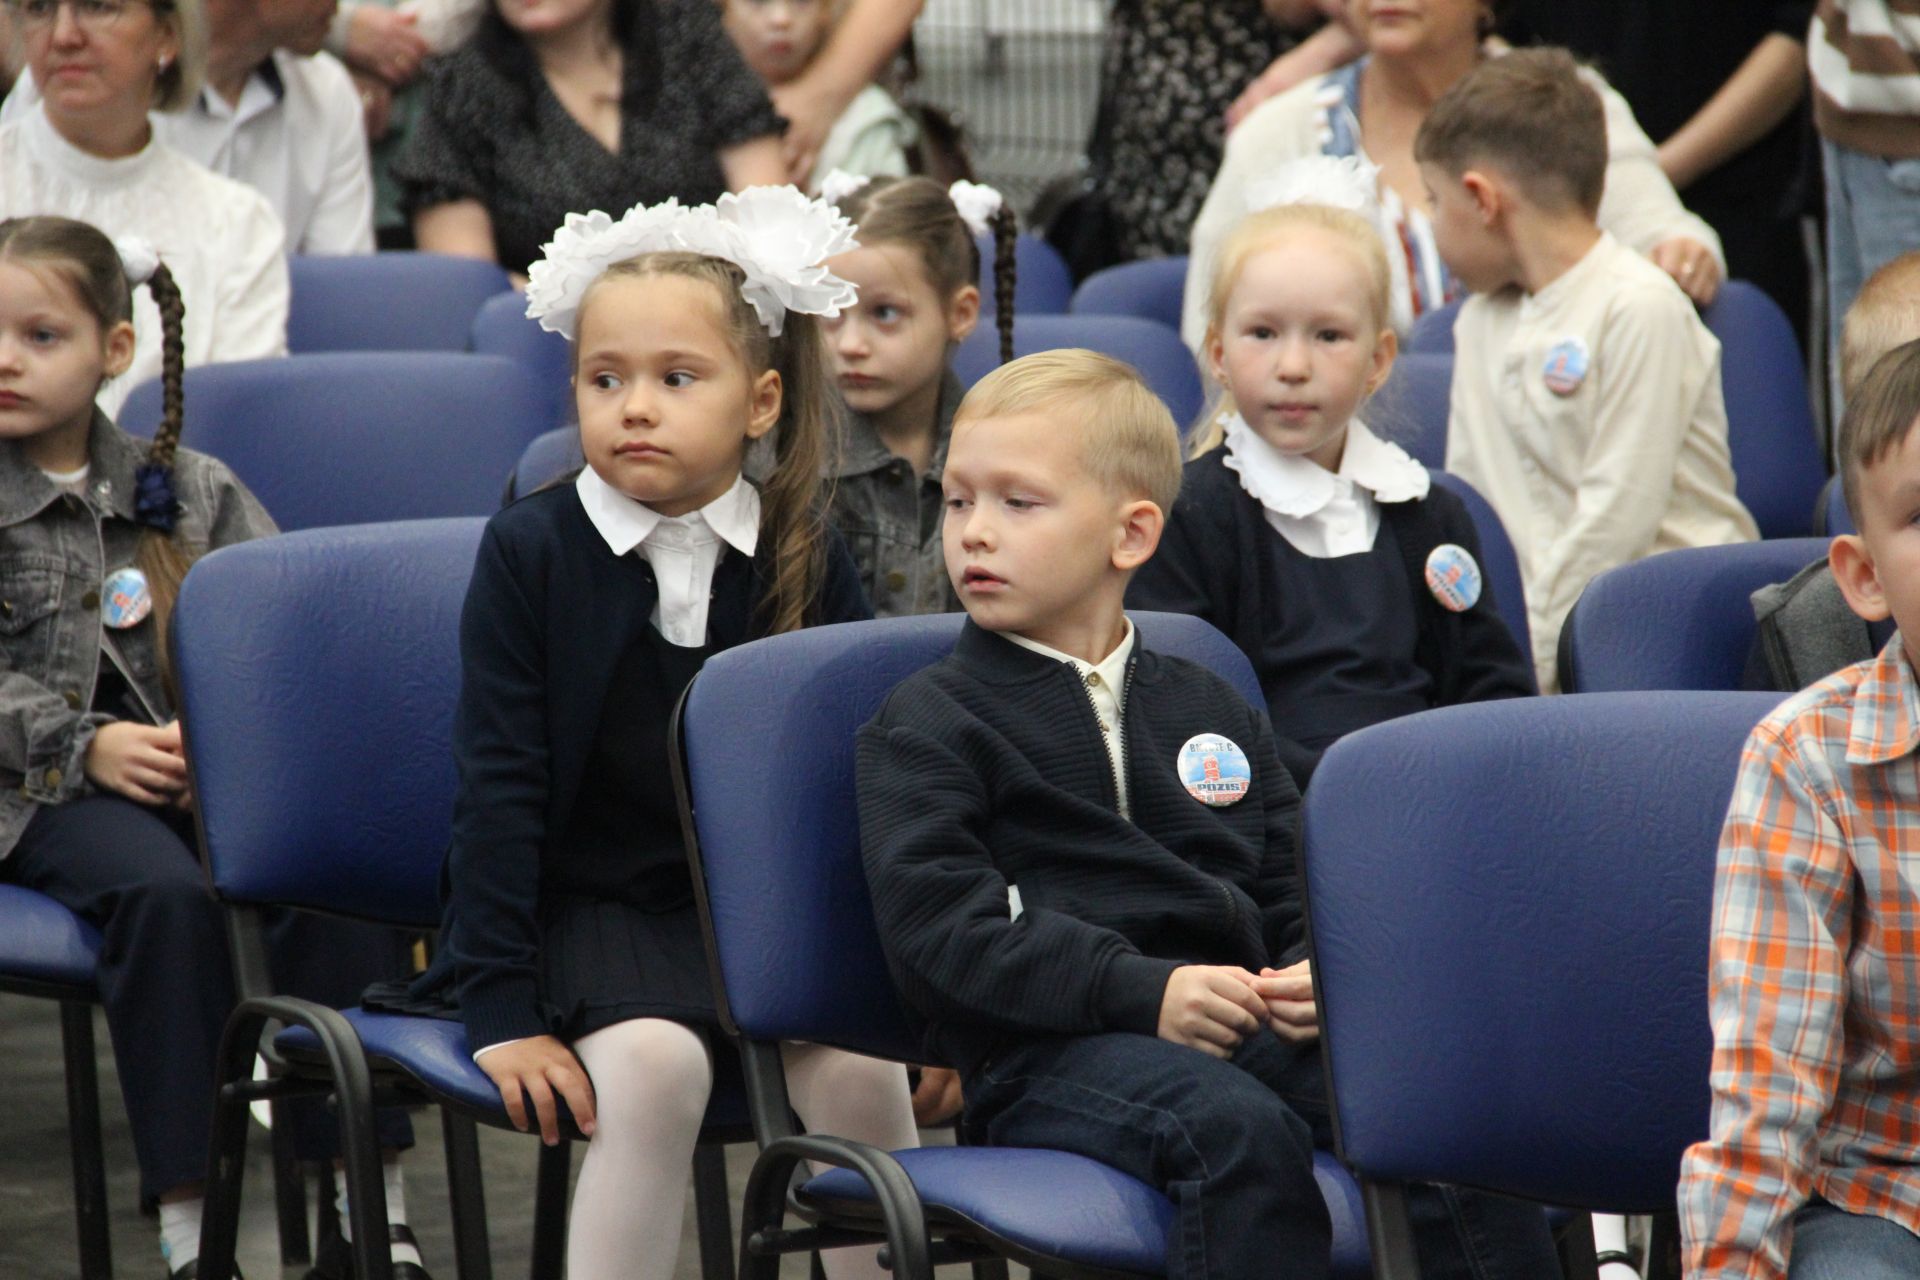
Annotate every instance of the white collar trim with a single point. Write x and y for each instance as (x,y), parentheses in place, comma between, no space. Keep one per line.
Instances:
(1293,486)
(626,523)
(1112,668)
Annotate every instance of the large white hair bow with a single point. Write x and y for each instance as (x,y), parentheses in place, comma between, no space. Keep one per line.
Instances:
(778,238)
(1345,182)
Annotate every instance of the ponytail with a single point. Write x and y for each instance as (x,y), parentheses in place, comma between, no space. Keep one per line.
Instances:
(1006,273)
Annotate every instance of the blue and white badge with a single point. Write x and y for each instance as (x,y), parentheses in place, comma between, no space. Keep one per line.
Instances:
(1214,770)
(1566,366)
(125,599)
(1453,576)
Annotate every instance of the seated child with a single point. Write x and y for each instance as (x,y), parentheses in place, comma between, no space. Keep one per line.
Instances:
(915,269)
(1586,392)
(778,38)
(1350,581)
(1809,1170)
(1805,629)
(1110,950)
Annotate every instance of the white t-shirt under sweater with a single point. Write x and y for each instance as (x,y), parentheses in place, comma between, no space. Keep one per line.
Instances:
(220,239)
(1590,415)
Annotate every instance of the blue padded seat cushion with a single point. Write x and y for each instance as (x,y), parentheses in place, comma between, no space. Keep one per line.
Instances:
(1057,1205)
(42,941)
(433,1051)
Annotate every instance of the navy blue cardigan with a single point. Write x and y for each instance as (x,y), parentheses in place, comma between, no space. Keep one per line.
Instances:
(1216,562)
(548,615)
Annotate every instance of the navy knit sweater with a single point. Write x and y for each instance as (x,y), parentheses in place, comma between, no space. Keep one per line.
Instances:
(988,770)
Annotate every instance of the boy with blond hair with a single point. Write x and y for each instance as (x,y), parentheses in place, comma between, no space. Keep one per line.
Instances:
(1586,392)
(1082,855)
(1809,1171)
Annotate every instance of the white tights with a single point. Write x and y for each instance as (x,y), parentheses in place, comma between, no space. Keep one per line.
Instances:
(651,1078)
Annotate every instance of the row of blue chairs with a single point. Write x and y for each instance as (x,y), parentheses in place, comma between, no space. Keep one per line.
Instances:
(1547,1084)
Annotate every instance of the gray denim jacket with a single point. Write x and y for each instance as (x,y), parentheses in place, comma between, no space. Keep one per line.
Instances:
(56,550)
(891,523)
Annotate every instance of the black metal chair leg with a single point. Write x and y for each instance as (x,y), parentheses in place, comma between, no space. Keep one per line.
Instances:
(472,1257)
(290,1194)
(711,1213)
(550,1212)
(83,1141)
(990,1269)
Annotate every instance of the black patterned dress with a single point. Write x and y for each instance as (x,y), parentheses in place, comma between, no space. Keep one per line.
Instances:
(1173,67)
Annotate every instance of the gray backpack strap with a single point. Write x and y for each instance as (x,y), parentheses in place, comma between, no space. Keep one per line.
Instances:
(1806,629)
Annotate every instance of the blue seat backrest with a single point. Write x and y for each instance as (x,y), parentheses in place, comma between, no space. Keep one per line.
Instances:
(1777,466)
(1839,519)
(387,301)
(780,847)
(1509,905)
(1411,409)
(1498,562)
(502,329)
(547,460)
(318,674)
(1433,332)
(1042,285)
(1151,289)
(359,437)
(1149,346)
(1679,620)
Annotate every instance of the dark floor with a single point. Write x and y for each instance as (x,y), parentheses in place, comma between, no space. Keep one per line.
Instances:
(36,1203)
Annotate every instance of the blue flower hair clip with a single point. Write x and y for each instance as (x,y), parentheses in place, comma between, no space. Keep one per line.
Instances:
(154,502)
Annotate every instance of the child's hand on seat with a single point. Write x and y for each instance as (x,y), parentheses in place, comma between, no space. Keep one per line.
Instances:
(537,1068)
(138,761)
(1288,995)
(1211,1008)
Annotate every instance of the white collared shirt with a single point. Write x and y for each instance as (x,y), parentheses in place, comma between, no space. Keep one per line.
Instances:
(1106,684)
(298,136)
(1324,514)
(683,550)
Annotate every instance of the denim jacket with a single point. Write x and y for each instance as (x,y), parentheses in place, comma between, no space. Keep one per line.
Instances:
(56,550)
(891,523)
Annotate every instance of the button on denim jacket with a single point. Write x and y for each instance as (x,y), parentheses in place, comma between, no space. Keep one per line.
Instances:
(891,521)
(56,550)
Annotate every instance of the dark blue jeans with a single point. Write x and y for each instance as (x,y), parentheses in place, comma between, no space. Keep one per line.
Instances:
(1231,1144)
(1832,1244)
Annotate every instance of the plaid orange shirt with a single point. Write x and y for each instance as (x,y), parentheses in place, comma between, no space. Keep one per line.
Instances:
(1815,987)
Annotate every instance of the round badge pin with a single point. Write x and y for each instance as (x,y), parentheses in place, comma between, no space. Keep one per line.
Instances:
(125,599)
(1453,576)
(1214,770)
(1566,366)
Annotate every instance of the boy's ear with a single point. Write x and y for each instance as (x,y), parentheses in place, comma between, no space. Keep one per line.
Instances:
(1140,524)
(118,346)
(1859,580)
(1489,196)
(963,313)
(763,409)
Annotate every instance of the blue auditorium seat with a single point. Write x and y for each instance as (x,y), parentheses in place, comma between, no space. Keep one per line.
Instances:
(546,460)
(1499,563)
(1777,465)
(1510,905)
(1151,289)
(359,437)
(343,803)
(502,329)
(1152,348)
(784,901)
(1433,332)
(387,301)
(1838,519)
(1679,620)
(1042,285)
(1412,407)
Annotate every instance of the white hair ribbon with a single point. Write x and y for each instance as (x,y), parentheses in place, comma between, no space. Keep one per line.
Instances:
(138,258)
(976,203)
(840,184)
(1344,182)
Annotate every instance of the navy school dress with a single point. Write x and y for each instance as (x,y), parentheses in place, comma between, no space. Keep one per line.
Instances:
(1338,644)
(568,900)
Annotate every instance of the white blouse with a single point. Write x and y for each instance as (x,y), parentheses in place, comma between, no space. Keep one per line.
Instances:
(221,240)
(1321,513)
(683,550)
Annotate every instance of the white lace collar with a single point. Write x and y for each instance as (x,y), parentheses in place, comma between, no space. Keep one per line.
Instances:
(1290,485)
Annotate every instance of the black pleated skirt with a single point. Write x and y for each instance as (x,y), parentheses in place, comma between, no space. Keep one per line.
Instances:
(604,961)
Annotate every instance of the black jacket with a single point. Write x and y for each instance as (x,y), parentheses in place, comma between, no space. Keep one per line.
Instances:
(988,769)
(548,615)
(1216,562)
